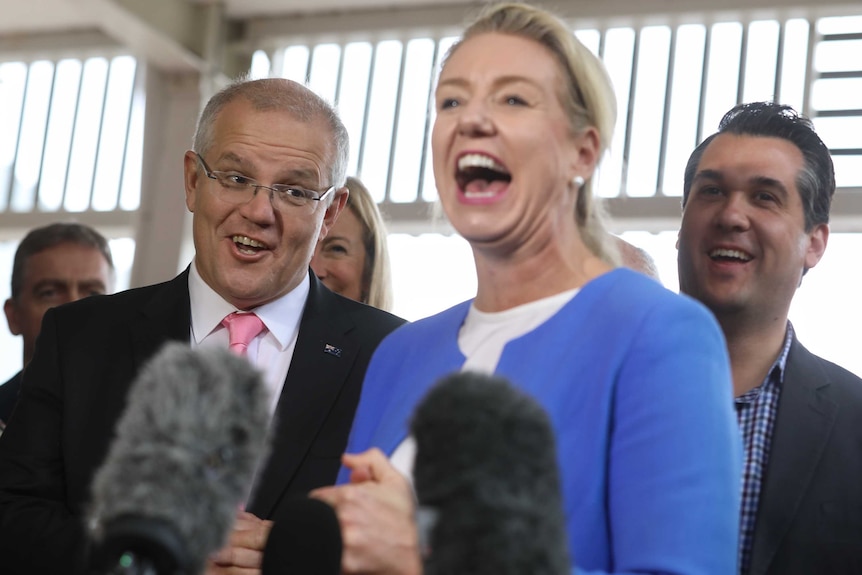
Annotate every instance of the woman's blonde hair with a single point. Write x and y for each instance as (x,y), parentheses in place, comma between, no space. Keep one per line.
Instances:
(376,278)
(587,96)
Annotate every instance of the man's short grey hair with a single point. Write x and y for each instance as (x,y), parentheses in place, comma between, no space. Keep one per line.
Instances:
(59,233)
(278,94)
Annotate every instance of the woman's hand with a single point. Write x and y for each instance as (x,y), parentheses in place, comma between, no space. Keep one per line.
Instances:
(376,514)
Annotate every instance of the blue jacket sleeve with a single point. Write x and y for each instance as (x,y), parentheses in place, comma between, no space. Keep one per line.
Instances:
(675,453)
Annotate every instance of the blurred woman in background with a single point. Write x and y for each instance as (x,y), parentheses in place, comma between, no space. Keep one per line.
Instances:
(353,259)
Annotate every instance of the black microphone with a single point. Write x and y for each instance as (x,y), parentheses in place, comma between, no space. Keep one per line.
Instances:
(183,460)
(305,540)
(487,481)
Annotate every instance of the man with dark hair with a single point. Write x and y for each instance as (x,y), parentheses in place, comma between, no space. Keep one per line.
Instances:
(54,264)
(265,183)
(755,218)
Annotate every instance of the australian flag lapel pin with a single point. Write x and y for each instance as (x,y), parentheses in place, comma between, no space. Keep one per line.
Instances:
(332,350)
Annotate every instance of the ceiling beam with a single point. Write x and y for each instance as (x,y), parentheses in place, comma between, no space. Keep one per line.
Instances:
(55,45)
(432,20)
(169,34)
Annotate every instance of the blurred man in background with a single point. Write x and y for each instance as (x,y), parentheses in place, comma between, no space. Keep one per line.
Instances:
(53,265)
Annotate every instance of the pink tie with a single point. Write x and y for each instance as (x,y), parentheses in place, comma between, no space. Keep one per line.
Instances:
(242,327)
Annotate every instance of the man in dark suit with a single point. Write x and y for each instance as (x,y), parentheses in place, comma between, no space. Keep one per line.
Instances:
(53,264)
(756,206)
(265,183)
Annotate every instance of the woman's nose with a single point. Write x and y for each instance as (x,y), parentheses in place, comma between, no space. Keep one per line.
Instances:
(474,120)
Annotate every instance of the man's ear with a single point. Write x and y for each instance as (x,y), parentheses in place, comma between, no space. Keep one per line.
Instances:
(191,178)
(818,236)
(11,311)
(338,204)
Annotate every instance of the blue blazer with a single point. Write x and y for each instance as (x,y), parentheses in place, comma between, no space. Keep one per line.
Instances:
(637,384)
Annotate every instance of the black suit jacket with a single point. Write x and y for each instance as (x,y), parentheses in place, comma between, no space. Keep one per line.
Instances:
(9,396)
(75,388)
(809,519)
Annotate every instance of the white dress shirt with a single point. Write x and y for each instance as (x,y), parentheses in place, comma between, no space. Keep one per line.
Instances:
(271,351)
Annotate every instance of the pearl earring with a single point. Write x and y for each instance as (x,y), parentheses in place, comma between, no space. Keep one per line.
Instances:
(578,181)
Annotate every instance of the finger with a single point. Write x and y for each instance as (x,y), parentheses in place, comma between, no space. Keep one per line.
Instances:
(328,495)
(351,502)
(245,544)
(361,474)
(371,462)
(237,557)
(213,569)
(251,535)
(243,515)
(247,521)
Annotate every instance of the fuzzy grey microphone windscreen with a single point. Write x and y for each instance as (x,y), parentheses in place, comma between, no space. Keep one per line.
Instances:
(486,475)
(183,459)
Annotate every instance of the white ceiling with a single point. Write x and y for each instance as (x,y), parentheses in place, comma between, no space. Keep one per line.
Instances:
(45,16)
(41,16)
(23,17)
(249,8)
(187,35)
(176,34)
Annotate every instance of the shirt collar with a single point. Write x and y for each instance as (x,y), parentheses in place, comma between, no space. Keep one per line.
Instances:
(775,375)
(781,360)
(280,316)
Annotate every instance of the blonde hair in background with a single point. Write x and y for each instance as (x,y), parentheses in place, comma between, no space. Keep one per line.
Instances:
(376,276)
(587,96)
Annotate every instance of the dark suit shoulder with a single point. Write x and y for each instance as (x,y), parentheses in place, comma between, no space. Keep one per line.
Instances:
(126,302)
(371,322)
(811,498)
(368,316)
(820,372)
(9,396)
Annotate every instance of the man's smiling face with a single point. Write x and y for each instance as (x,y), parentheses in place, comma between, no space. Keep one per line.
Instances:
(253,253)
(742,243)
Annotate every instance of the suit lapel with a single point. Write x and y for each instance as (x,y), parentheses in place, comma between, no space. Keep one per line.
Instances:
(166,316)
(804,423)
(321,363)
(160,314)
